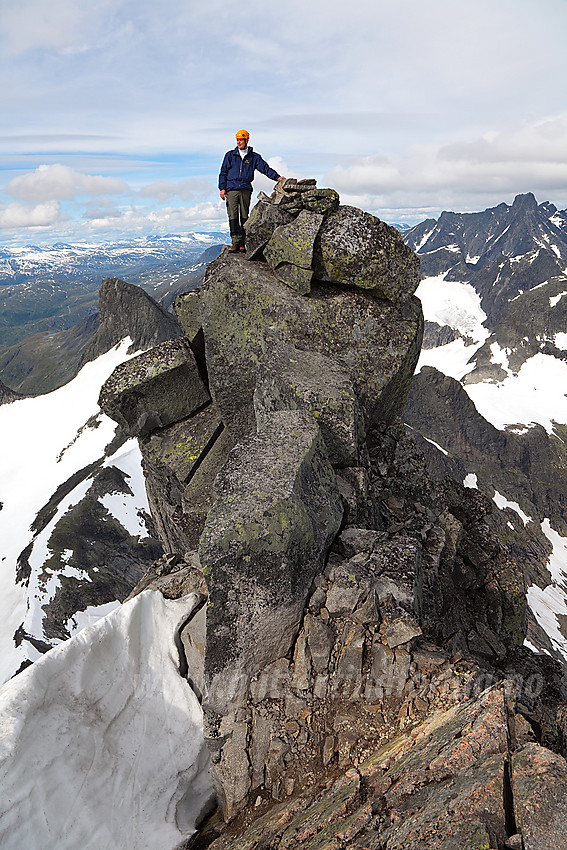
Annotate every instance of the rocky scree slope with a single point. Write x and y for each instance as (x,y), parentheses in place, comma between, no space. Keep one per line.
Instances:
(354,609)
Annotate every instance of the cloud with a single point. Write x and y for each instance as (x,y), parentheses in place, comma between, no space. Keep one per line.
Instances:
(168,219)
(540,141)
(187,190)
(264,184)
(19,215)
(65,25)
(98,213)
(531,158)
(30,24)
(49,182)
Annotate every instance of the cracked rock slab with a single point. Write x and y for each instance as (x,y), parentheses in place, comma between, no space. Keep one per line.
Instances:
(156,388)
(265,217)
(246,311)
(321,386)
(356,248)
(539,783)
(292,245)
(276,512)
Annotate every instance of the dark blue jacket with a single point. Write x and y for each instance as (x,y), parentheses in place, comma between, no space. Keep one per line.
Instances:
(238,173)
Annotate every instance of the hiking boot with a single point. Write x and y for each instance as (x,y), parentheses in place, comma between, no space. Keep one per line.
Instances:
(234,249)
(242,249)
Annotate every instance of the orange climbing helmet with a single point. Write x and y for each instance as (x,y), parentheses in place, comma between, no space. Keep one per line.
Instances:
(243,134)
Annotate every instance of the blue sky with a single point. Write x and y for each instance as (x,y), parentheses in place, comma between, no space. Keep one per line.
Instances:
(116,114)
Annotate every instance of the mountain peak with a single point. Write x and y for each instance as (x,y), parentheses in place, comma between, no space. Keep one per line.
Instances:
(525,202)
(126,310)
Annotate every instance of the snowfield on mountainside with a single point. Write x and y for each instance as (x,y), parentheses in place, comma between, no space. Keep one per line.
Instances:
(48,439)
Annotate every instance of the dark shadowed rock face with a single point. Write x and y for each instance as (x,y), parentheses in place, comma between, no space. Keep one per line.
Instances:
(126,310)
(173,457)
(7,395)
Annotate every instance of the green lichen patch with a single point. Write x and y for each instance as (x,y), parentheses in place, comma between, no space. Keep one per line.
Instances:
(293,243)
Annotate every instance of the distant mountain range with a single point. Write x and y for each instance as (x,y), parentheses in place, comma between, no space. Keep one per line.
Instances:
(502,252)
(87,261)
(49,305)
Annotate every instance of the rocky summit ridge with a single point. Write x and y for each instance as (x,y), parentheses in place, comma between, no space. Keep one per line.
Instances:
(358,644)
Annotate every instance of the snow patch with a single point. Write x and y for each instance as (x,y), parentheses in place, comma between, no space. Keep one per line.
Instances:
(101,741)
(528,398)
(424,239)
(499,356)
(126,507)
(557,564)
(458,306)
(437,446)
(555,299)
(502,502)
(453,359)
(470,481)
(533,648)
(547,604)
(560,341)
(90,616)
(454,304)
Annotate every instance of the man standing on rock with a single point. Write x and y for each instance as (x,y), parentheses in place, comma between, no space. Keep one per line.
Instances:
(235,184)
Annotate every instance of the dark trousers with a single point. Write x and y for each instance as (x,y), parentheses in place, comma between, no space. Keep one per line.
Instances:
(237,207)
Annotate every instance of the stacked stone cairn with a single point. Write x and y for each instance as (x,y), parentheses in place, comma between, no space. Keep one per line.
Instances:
(255,428)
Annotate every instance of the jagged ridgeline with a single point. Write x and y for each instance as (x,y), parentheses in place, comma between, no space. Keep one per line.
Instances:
(358,642)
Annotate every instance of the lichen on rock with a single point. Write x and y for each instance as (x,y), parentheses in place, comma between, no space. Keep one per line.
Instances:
(154,389)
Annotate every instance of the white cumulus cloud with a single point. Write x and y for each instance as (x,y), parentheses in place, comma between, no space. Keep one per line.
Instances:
(20,215)
(167,219)
(60,182)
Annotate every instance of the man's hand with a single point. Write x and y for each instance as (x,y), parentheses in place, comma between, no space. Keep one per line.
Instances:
(223,194)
